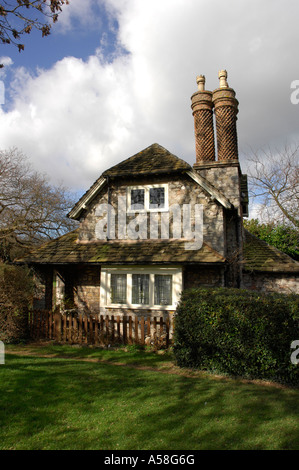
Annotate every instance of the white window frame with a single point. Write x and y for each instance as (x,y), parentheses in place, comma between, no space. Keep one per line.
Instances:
(146,189)
(105,296)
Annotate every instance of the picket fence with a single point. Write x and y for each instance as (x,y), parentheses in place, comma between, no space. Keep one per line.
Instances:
(98,330)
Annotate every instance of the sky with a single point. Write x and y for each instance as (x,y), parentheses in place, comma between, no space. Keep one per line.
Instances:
(116,76)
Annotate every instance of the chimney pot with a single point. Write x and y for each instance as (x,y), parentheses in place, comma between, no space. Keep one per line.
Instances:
(201,80)
(226,110)
(222,75)
(202,110)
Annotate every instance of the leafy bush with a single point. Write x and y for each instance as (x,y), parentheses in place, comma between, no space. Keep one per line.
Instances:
(16,289)
(283,237)
(238,332)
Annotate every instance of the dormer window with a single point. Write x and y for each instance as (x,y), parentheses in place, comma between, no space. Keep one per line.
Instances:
(147,198)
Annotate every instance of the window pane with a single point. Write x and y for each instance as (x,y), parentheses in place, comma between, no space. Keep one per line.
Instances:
(137,198)
(163,289)
(157,198)
(140,289)
(118,288)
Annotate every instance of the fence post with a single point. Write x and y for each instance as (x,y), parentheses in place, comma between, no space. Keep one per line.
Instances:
(136,329)
(142,330)
(130,330)
(167,332)
(118,328)
(75,329)
(125,329)
(96,331)
(50,321)
(57,324)
(148,327)
(112,329)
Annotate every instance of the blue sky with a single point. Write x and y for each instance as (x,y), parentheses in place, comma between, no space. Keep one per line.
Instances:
(116,76)
(72,38)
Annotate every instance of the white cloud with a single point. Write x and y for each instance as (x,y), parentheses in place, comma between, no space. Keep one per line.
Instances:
(6,61)
(79,118)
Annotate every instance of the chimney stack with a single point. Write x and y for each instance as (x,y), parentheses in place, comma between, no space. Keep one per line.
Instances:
(202,110)
(226,110)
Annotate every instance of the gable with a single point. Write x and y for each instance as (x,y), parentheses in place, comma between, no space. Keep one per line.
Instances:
(155,160)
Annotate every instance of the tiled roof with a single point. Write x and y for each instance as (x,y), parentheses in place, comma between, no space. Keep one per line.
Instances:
(153,159)
(259,256)
(67,249)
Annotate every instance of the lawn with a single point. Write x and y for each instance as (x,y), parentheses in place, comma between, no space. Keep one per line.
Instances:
(58,397)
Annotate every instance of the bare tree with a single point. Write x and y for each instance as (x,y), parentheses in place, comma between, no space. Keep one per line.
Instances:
(19,17)
(31,209)
(274,184)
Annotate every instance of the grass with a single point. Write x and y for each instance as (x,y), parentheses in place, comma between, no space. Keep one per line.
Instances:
(62,397)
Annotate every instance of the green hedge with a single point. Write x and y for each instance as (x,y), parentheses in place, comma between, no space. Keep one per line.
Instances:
(238,332)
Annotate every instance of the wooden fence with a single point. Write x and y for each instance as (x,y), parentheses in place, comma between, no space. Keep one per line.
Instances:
(99,330)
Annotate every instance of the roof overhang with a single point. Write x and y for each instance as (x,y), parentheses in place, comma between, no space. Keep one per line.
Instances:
(86,198)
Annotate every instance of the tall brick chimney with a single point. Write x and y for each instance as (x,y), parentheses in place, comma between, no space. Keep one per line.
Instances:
(202,110)
(226,110)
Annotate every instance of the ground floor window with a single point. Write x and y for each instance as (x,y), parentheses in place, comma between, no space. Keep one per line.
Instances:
(163,289)
(142,287)
(118,288)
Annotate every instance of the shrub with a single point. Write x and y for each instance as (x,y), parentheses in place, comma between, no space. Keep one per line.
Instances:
(238,332)
(16,289)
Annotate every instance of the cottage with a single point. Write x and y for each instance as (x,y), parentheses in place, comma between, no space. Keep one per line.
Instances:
(154,225)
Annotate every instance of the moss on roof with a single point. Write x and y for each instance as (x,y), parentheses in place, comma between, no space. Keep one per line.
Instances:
(153,159)
(67,249)
(259,256)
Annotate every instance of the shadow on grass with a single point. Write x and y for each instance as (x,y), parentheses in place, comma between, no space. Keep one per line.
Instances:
(126,355)
(68,404)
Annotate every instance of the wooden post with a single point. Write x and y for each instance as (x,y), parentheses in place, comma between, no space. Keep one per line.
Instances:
(112,329)
(85,321)
(70,328)
(125,329)
(136,329)
(90,336)
(75,329)
(148,327)
(96,331)
(50,324)
(107,327)
(142,330)
(161,326)
(155,331)
(130,330)
(57,324)
(80,321)
(102,328)
(118,328)
(167,332)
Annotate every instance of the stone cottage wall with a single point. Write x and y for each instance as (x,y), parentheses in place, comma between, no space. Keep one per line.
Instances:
(283,283)
(181,190)
(87,289)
